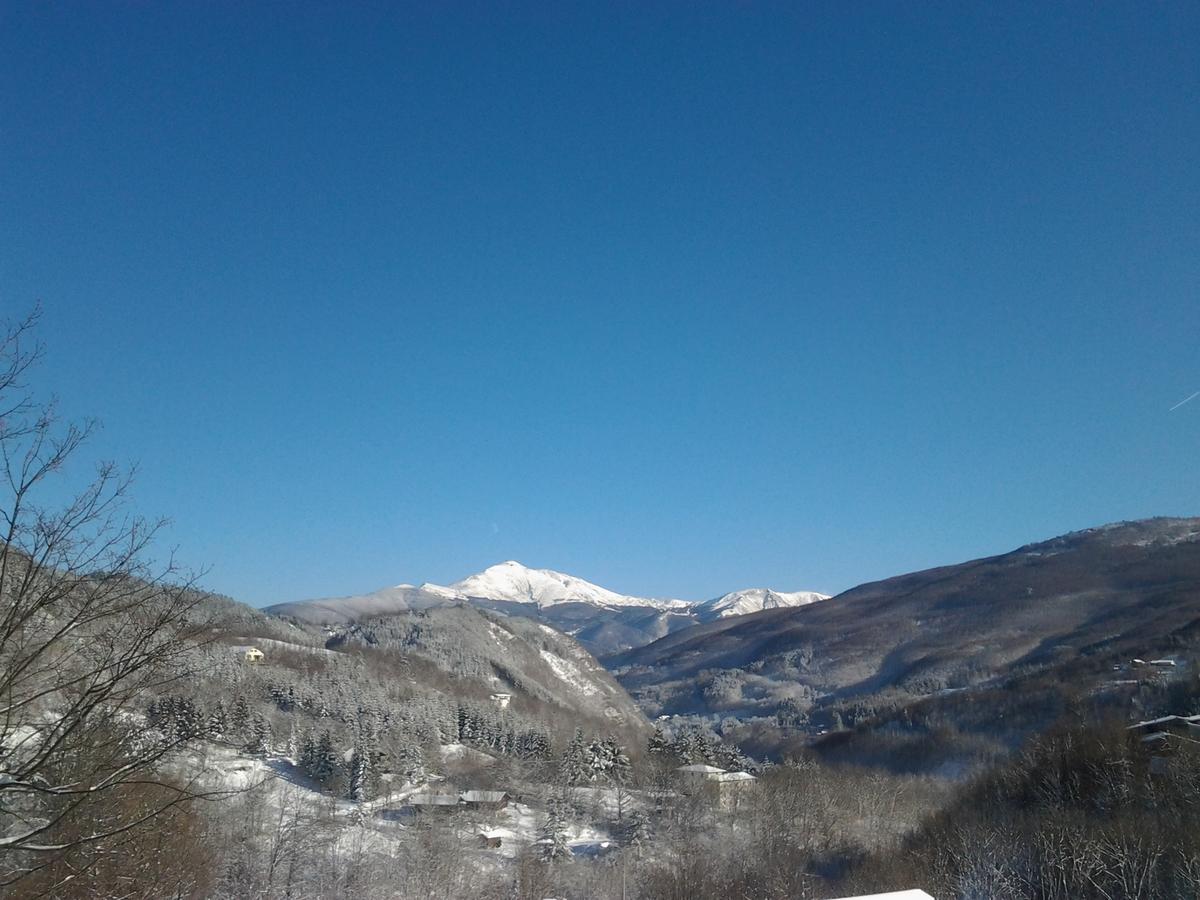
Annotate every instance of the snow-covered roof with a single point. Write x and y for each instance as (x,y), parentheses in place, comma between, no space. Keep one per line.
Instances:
(701,768)
(433,800)
(736,776)
(1165,720)
(244,648)
(895,895)
(484,796)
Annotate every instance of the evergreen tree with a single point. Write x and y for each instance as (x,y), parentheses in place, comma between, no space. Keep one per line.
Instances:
(574,768)
(360,770)
(552,839)
(308,755)
(658,743)
(218,721)
(327,764)
(598,761)
(619,768)
(240,717)
(261,735)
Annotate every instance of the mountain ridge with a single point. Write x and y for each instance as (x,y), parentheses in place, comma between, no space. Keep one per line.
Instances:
(604,621)
(1120,590)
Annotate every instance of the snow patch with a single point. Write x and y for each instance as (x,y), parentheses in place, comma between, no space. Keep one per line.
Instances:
(567,671)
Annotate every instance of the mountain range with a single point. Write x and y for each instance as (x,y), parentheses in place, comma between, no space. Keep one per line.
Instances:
(602,620)
(1049,620)
(1003,645)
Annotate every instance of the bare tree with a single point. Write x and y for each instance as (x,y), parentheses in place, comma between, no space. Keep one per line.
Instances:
(88,625)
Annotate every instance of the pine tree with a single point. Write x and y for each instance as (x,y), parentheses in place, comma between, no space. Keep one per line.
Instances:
(218,721)
(658,742)
(574,768)
(359,775)
(619,767)
(327,765)
(261,736)
(240,716)
(552,840)
(598,761)
(308,755)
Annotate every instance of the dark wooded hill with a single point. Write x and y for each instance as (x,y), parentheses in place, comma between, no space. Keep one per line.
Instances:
(1114,592)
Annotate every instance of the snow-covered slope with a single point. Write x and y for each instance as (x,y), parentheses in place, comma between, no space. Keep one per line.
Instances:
(752,600)
(512,582)
(385,602)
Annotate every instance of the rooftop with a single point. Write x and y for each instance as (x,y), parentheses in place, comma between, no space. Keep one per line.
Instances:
(484,796)
(433,800)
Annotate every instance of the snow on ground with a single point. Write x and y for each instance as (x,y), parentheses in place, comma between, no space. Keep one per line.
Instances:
(277,790)
(569,672)
(499,634)
(265,643)
(463,753)
(519,825)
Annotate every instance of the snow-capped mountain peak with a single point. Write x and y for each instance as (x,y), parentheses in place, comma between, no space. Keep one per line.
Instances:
(750,600)
(511,581)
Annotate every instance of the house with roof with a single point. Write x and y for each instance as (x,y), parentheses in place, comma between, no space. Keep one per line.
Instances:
(729,788)
(1156,732)
(694,777)
(434,803)
(484,800)
(248,653)
(734,789)
(1160,738)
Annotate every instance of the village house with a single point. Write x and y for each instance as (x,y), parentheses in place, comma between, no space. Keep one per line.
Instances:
(1158,731)
(1159,738)
(486,800)
(695,777)
(733,788)
(490,841)
(249,653)
(729,788)
(501,699)
(1156,663)
(434,803)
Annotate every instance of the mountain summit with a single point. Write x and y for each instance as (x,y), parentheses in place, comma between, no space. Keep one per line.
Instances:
(751,600)
(512,582)
(602,620)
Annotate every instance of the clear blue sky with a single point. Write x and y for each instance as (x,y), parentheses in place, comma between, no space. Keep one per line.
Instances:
(679,298)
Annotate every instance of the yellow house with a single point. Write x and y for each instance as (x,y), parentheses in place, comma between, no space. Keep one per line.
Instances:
(249,654)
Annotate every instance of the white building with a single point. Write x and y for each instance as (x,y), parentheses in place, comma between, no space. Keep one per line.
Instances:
(730,788)
(697,775)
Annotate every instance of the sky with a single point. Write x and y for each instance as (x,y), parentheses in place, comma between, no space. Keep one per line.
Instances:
(679,298)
